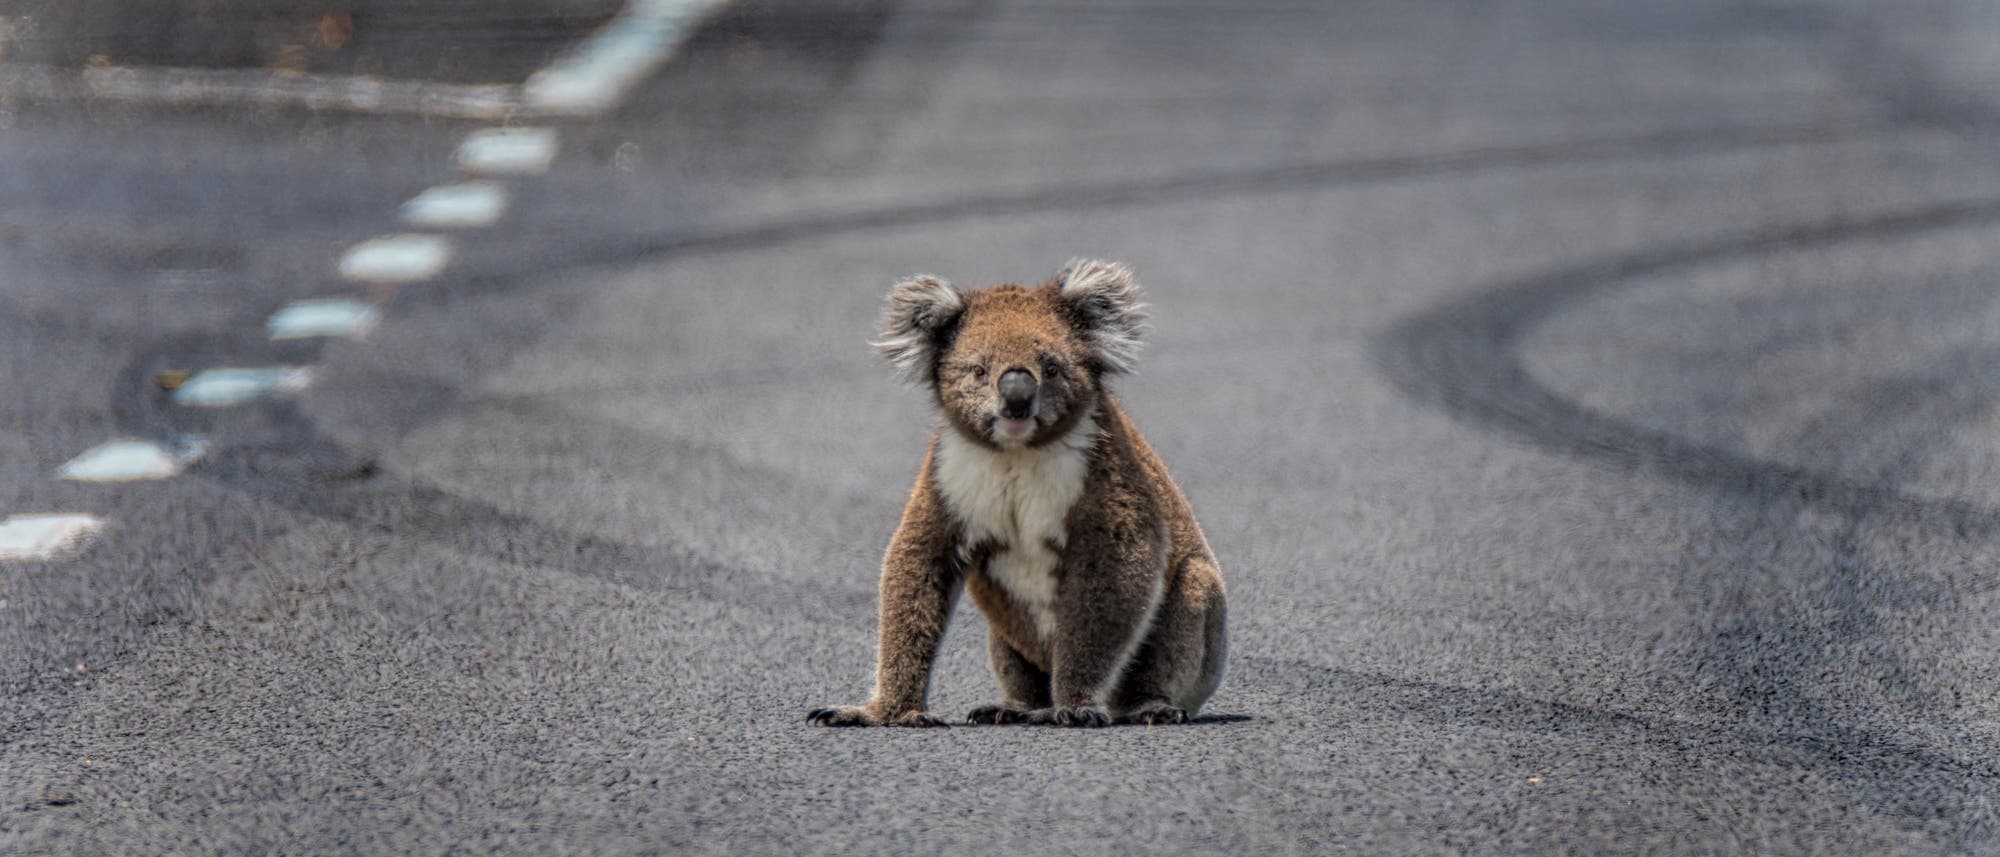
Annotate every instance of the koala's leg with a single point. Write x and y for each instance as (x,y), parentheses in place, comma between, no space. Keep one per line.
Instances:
(1024,685)
(920,584)
(1181,663)
(1110,590)
(916,602)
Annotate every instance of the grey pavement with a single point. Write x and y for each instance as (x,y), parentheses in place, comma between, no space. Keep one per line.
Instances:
(1589,404)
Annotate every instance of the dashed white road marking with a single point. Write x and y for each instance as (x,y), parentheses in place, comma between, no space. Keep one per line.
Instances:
(595,76)
(131,461)
(456,206)
(588,80)
(584,81)
(27,538)
(508,151)
(215,388)
(405,258)
(324,317)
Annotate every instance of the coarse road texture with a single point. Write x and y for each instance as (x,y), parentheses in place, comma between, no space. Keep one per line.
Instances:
(1591,406)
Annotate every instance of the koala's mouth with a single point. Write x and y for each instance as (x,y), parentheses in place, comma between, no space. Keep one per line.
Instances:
(1013,428)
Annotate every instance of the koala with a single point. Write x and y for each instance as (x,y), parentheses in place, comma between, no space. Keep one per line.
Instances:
(1039,496)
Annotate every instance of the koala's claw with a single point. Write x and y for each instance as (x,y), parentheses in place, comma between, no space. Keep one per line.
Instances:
(996,715)
(1079,716)
(842,715)
(922,719)
(1158,714)
(857,715)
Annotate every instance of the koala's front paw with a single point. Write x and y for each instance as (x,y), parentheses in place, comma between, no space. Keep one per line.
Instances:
(859,715)
(996,715)
(842,715)
(1083,716)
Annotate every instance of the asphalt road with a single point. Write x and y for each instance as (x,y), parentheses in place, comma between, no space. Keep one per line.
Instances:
(1590,406)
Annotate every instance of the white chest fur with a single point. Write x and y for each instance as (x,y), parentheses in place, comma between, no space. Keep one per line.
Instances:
(1018,500)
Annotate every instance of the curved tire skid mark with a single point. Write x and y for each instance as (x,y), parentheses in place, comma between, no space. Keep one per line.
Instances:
(283,458)
(1453,706)
(1464,358)
(597,251)
(1898,422)
(269,452)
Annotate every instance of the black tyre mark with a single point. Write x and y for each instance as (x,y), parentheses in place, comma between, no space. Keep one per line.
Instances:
(1465,358)
(1462,357)
(594,251)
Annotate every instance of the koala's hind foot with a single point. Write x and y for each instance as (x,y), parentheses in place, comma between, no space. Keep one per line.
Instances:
(857,715)
(996,715)
(1078,716)
(1157,712)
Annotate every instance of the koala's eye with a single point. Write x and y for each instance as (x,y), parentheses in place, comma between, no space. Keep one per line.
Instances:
(1051,366)
(978,371)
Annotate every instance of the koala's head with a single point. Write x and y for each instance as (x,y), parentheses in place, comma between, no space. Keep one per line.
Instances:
(1013,366)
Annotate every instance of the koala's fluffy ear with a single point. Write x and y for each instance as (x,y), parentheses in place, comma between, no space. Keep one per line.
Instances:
(917,315)
(1104,304)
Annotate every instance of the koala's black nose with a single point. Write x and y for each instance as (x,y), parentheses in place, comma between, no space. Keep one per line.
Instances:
(1017,394)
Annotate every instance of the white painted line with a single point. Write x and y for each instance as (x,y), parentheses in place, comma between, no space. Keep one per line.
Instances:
(587,80)
(27,538)
(594,77)
(456,206)
(508,151)
(215,388)
(396,259)
(258,87)
(329,317)
(131,461)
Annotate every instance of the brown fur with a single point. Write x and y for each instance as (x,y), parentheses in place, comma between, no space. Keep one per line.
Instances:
(1135,627)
